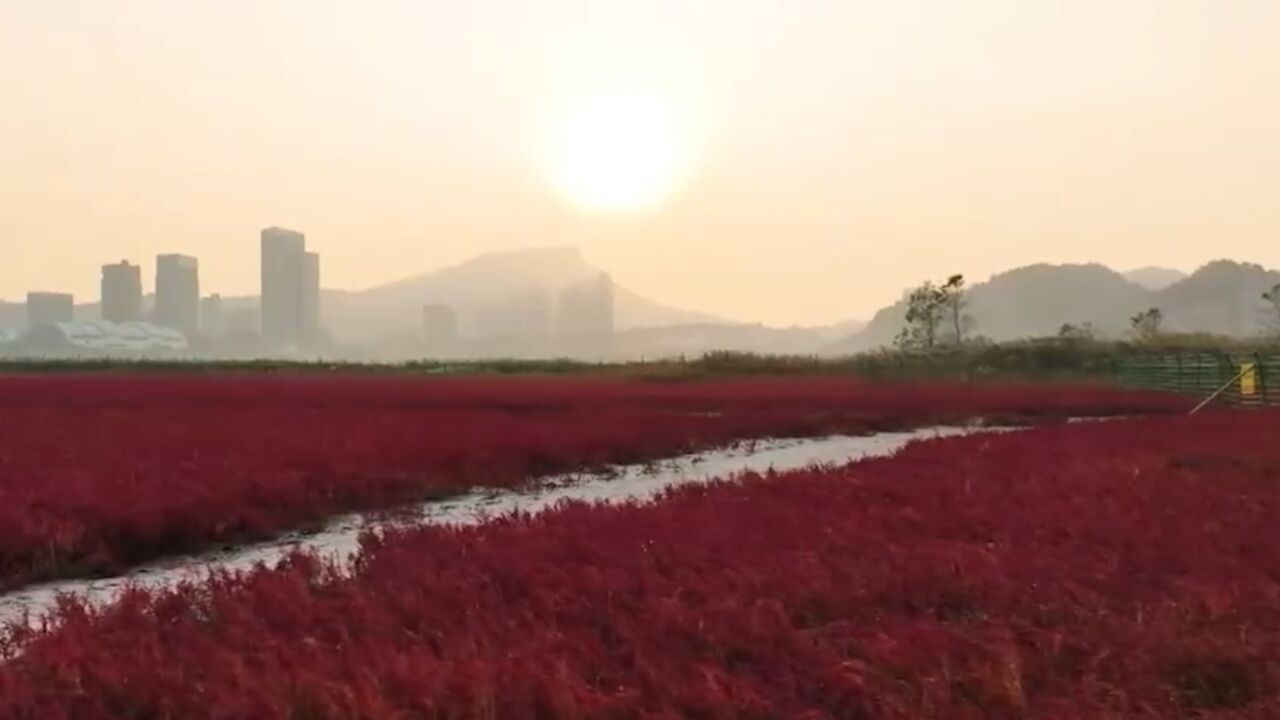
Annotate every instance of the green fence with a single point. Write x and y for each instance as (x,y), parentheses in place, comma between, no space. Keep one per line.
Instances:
(1253,379)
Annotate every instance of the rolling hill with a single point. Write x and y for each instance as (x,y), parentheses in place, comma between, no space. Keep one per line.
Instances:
(1154,278)
(1222,297)
(474,288)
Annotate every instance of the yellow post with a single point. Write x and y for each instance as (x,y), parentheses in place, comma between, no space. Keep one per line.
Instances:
(1248,380)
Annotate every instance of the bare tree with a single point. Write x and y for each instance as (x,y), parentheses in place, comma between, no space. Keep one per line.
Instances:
(1148,325)
(1272,310)
(925,314)
(955,302)
(1078,333)
(934,311)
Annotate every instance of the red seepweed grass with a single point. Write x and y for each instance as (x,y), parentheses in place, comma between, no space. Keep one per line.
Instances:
(99,473)
(1098,570)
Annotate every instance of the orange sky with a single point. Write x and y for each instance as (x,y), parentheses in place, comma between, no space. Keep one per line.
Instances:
(844,149)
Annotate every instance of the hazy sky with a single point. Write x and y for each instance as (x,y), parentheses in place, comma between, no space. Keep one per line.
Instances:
(833,152)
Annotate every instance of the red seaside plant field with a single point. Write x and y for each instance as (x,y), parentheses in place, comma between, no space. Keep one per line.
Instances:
(1102,570)
(102,472)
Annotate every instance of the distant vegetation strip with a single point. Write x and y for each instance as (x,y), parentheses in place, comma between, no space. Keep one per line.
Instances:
(1033,359)
(1125,569)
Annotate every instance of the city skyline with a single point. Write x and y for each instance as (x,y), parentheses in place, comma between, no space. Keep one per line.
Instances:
(288,304)
(575,316)
(176,301)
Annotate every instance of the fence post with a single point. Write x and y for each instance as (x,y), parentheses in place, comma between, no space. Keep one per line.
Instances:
(1234,379)
(1241,367)
(1235,370)
(1261,373)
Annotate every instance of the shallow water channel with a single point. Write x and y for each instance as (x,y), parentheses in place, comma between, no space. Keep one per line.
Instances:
(339,537)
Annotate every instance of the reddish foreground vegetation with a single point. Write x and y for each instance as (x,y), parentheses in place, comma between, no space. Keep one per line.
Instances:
(98,473)
(1098,570)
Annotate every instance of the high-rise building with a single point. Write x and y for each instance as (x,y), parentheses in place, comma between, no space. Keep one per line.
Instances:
(211,323)
(310,294)
(585,309)
(440,327)
(13,316)
(284,281)
(49,308)
(121,292)
(178,293)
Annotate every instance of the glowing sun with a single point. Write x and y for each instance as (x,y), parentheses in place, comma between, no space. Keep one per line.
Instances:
(618,149)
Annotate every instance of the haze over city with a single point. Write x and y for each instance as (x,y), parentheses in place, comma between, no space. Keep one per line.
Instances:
(782,162)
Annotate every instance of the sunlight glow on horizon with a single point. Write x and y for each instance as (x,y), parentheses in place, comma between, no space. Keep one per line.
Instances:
(618,146)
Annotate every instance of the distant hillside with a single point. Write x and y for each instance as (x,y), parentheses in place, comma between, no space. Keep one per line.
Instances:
(842,329)
(473,288)
(1154,278)
(1033,300)
(1223,297)
(645,327)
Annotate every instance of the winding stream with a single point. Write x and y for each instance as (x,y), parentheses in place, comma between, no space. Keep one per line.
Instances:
(338,539)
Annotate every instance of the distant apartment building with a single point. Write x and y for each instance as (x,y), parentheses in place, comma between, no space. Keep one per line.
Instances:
(290,286)
(585,310)
(283,259)
(121,292)
(439,327)
(178,293)
(13,316)
(211,321)
(310,294)
(49,308)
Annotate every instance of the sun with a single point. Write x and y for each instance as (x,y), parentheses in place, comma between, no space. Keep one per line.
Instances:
(618,148)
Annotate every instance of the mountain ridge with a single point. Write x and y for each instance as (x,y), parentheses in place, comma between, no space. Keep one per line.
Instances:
(1221,297)
(1153,277)
(481,283)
